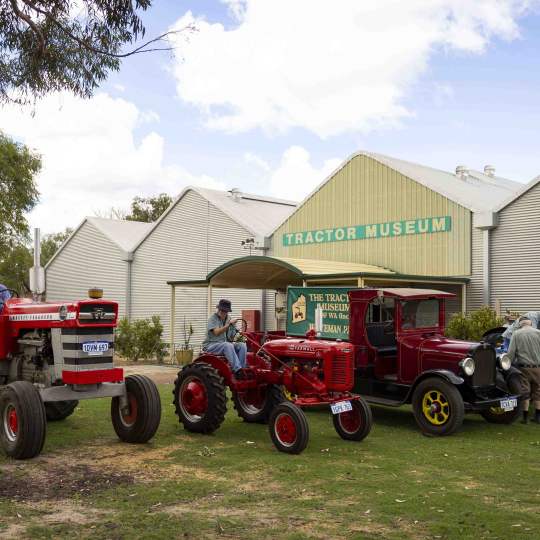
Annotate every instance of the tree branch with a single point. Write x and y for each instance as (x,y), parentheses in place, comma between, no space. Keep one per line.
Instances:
(139,50)
(27,19)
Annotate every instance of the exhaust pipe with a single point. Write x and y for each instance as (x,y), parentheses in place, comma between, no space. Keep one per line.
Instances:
(37,272)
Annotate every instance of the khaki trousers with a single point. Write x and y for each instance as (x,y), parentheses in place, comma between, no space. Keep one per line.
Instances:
(530,386)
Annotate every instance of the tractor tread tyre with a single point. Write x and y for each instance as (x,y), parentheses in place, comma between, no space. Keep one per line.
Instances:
(31,420)
(274,396)
(60,410)
(456,407)
(302,428)
(216,396)
(363,409)
(148,415)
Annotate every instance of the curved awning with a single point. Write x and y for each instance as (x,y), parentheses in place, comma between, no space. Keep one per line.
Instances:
(263,272)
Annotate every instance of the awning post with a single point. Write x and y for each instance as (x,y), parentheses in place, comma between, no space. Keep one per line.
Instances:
(173,318)
(210,308)
(464,299)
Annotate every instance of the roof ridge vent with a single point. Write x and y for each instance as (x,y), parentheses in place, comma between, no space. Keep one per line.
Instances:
(489,170)
(235,194)
(462,171)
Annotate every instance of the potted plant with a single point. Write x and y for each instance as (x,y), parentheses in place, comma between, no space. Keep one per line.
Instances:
(184,355)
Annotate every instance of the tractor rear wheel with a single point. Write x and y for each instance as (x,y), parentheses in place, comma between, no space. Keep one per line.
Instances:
(438,407)
(354,425)
(289,428)
(22,420)
(199,399)
(139,421)
(60,410)
(256,404)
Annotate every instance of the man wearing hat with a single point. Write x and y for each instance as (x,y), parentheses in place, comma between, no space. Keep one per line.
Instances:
(524,352)
(216,337)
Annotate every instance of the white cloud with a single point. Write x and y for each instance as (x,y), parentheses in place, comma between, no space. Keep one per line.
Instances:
(327,66)
(295,177)
(91,160)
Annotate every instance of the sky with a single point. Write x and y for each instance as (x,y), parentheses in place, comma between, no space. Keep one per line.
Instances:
(270,96)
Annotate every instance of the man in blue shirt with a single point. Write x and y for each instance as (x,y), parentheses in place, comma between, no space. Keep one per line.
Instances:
(5,295)
(216,342)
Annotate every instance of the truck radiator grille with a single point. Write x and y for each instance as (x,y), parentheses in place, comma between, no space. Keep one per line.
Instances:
(485,369)
(340,372)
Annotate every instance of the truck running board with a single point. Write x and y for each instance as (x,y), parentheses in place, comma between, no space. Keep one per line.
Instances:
(383,401)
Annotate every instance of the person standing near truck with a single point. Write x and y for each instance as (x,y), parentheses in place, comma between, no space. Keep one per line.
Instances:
(216,342)
(524,351)
(533,316)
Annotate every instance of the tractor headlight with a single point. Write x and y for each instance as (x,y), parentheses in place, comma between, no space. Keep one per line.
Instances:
(467,365)
(505,362)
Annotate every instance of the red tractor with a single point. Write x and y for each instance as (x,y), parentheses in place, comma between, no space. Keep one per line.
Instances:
(314,372)
(54,354)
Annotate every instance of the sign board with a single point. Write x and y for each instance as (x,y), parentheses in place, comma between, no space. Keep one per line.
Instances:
(389,229)
(331,304)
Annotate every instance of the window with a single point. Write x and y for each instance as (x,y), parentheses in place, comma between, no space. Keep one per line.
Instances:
(380,310)
(419,314)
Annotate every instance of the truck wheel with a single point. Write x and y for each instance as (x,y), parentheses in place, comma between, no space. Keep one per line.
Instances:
(437,407)
(256,404)
(140,421)
(23,424)
(200,400)
(59,410)
(354,425)
(289,428)
(496,415)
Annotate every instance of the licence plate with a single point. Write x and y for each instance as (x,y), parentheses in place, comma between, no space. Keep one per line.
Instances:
(508,404)
(340,407)
(95,348)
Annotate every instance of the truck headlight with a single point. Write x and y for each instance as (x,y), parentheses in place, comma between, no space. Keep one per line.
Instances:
(505,362)
(467,365)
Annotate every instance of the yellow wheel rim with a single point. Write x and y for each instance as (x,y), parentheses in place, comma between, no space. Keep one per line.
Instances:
(435,407)
(288,395)
(496,410)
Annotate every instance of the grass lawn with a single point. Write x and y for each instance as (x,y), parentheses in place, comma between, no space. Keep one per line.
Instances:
(483,482)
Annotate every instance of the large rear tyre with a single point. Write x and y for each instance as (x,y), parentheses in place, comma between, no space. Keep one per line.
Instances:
(256,404)
(22,420)
(354,425)
(60,410)
(438,407)
(139,421)
(199,399)
(289,428)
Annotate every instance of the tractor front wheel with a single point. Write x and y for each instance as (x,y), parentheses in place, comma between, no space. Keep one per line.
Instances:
(354,425)
(255,405)
(22,420)
(438,407)
(289,428)
(139,420)
(60,410)
(199,399)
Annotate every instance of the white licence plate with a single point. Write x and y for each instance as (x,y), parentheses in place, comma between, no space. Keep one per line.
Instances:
(95,348)
(341,406)
(508,404)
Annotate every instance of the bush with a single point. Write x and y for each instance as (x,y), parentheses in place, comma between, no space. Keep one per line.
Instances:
(472,326)
(141,339)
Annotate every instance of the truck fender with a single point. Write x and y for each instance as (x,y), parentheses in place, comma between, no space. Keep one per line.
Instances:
(444,374)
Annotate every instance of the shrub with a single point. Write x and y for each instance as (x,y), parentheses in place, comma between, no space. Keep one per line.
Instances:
(473,325)
(141,339)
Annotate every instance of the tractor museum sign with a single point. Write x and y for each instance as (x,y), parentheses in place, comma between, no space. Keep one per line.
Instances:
(363,232)
(331,304)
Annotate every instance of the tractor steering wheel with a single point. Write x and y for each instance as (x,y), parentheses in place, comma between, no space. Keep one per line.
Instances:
(239,327)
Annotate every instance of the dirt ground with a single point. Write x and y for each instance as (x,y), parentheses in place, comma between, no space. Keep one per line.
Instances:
(159,374)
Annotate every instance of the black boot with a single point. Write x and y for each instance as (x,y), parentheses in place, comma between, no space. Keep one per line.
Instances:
(525,417)
(537,416)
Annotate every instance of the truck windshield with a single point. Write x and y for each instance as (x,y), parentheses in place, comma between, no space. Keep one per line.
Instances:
(419,314)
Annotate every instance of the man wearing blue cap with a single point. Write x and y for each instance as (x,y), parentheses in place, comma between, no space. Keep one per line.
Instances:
(216,337)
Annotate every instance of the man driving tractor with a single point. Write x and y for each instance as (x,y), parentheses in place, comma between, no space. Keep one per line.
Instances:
(216,342)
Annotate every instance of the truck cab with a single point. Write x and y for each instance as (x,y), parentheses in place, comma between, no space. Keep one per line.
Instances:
(402,356)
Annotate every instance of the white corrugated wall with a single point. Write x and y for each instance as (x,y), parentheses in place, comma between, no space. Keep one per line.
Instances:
(193,239)
(515,255)
(474,288)
(89,259)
